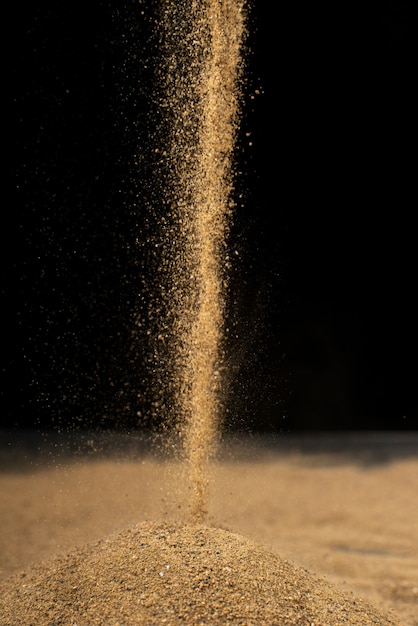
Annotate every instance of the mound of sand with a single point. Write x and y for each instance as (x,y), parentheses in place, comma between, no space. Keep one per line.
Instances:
(177,574)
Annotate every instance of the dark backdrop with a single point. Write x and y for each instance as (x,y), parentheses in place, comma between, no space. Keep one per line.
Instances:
(322,302)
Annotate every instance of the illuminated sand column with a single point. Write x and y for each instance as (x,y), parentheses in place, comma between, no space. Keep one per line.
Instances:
(203,43)
(211,189)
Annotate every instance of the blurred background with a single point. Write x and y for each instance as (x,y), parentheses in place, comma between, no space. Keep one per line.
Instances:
(321,321)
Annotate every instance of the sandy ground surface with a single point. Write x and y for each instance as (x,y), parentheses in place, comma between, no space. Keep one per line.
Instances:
(303,511)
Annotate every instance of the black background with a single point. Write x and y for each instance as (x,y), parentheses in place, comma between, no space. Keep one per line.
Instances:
(322,307)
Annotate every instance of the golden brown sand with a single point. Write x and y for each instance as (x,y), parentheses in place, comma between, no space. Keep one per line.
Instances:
(199,81)
(168,574)
(109,541)
(292,537)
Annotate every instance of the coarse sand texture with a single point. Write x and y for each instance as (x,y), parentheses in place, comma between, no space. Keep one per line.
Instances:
(154,574)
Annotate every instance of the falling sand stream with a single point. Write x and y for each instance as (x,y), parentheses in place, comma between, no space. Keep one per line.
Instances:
(201,43)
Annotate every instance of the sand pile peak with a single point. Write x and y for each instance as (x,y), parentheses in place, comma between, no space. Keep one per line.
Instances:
(177,574)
